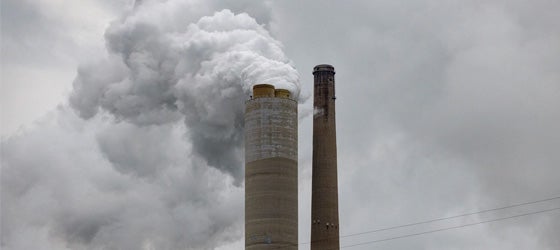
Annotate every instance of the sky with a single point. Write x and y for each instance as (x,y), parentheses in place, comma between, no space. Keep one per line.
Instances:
(121,120)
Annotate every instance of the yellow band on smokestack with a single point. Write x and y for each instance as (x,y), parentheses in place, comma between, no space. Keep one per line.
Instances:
(282,93)
(263,90)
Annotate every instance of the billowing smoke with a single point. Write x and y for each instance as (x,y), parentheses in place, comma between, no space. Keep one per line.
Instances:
(200,72)
(97,184)
(148,155)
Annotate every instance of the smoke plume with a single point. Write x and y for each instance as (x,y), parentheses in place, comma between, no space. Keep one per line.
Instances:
(148,155)
(200,73)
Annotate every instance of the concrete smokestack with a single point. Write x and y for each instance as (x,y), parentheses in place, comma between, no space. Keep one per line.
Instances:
(271,198)
(324,192)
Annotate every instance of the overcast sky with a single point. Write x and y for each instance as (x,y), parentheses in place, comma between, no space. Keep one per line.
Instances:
(121,121)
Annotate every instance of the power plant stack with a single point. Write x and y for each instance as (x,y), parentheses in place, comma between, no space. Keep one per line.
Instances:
(324,190)
(271,169)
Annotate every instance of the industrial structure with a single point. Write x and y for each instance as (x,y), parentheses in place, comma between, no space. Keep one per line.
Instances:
(324,190)
(271,170)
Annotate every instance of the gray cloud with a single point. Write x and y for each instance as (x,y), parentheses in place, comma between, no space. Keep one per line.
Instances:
(163,70)
(443,108)
(76,184)
(42,42)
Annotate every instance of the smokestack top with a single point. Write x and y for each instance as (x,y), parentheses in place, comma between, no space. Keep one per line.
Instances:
(267,90)
(323,68)
(263,90)
(282,93)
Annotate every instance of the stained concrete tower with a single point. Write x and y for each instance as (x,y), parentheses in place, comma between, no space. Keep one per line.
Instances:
(271,198)
(324,192)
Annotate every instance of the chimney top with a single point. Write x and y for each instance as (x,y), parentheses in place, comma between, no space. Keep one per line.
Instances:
(267,90)
(323,68)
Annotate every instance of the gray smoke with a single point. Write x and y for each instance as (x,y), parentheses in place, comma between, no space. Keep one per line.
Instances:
(100,184)
(202,72)
(148,155)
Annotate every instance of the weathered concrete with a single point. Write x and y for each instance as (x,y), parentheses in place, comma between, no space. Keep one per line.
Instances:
(271,199)
(324,192)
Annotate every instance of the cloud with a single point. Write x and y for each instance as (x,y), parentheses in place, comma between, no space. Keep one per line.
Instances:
(201,72)
(101,184)
(443,109)
(149,153)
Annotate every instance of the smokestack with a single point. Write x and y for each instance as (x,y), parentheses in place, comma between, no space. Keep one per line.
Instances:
(324,192)
(271,198)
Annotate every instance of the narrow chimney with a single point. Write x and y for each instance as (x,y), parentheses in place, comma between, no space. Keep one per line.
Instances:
(324,192)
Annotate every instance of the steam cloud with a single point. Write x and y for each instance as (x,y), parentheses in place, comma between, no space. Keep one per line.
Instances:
(201,73)
(153,157)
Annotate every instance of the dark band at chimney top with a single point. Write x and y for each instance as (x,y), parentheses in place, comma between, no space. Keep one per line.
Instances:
(323,67)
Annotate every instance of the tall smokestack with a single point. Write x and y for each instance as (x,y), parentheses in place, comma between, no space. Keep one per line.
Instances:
(271,198)
(324,192)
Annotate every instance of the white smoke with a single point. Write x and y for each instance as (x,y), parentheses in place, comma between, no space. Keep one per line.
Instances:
(153,158)
(202,73)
